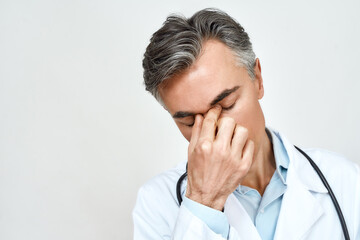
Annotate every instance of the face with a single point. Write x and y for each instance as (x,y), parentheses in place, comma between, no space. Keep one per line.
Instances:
(215,78)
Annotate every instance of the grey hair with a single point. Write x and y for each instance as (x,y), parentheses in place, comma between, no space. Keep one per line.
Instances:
(177,44)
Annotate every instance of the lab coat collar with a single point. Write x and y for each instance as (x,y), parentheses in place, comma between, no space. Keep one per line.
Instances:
(300,210)
(304,172)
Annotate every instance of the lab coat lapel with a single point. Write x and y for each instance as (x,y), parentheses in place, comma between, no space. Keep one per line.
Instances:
(239,219)
(300,210)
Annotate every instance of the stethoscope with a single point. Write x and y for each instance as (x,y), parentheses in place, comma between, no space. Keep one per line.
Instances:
(323,179)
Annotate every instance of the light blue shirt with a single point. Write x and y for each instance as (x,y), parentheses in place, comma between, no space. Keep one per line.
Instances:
(263,211)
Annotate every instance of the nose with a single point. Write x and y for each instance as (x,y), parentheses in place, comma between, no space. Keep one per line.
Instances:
(222,114)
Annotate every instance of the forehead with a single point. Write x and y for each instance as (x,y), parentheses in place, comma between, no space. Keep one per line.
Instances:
(214,71)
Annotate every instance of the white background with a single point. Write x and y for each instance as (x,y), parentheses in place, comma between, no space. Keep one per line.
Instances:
(79,135)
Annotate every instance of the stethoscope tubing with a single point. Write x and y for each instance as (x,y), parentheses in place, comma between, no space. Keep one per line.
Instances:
(318,171)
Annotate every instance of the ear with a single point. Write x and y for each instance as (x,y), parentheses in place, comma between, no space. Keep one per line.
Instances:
(258,81)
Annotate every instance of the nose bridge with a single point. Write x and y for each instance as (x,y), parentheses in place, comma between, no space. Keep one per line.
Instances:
(222,114)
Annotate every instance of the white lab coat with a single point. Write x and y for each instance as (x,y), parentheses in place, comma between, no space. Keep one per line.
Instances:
(307,211)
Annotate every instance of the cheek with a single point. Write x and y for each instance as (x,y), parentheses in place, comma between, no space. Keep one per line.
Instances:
(185,131)
(248,114)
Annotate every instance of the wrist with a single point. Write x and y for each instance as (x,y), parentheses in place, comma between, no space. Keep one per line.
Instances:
(215,203)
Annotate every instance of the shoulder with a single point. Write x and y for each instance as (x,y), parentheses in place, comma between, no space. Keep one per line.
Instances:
(342,174)
(156,207)
(163,183)
(331,163)
(334,163)
(160,191)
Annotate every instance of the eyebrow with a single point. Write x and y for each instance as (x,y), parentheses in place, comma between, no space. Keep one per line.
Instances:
(218,98)
(223,95)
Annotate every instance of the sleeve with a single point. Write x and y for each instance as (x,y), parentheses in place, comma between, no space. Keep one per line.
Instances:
(145,219)
(214,219)
(190,227)
(154,220)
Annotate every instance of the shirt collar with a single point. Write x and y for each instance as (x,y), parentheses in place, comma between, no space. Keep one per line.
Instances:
(280,154)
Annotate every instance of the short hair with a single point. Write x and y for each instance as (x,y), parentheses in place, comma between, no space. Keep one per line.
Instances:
(177,44)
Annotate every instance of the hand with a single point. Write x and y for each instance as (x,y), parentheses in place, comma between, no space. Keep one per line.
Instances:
(217,162)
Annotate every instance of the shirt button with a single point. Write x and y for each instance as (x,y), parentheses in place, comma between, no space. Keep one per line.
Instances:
(262,211)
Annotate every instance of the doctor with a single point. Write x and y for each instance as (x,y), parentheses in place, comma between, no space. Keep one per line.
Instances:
(245,180)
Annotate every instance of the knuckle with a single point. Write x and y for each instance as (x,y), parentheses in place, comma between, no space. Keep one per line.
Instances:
(204,146)
(243,168)
(227,121)
(242,130)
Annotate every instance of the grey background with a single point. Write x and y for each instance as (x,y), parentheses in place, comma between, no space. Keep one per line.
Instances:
(79,135)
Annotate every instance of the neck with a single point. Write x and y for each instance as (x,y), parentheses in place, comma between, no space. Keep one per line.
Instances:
(262,168)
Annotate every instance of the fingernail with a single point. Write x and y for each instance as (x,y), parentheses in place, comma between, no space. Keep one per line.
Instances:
(198,117)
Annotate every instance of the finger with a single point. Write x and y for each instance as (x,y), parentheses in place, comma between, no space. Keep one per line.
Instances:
(226,127)
(209,124)
(239,139)
(247,159)
(248,154)
(195,132)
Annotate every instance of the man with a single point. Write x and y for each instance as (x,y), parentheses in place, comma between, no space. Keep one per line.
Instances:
(244,180)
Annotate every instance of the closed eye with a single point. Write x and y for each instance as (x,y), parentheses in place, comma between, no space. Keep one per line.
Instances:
(228,108)
(190,125)
(223,108)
